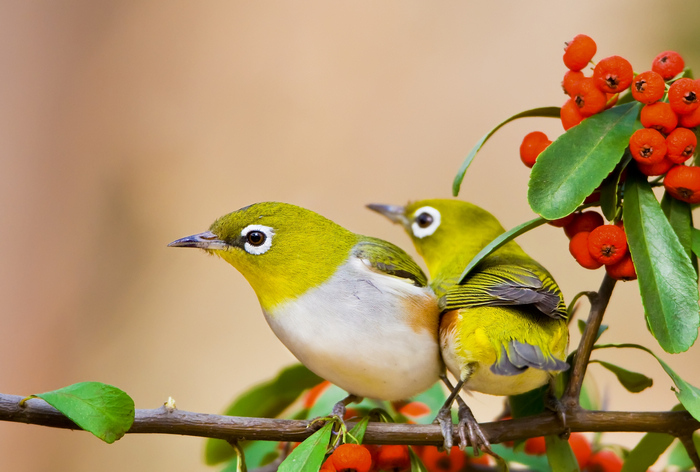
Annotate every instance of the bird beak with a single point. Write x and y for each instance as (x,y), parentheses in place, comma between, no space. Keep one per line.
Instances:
(395,213)
(206,240)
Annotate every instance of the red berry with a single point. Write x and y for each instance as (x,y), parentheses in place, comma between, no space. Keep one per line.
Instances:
(607,244)
(579,52)
(668,64)
(531,147)
(327,466)
(683,183)
(570,78)
(648,87)
(604,461)
(581,448)
(691,120)
(647,146)
(535,446)
(680,145)
(588,97)
(613,74)
(570,114)
(436,461)
(623,269)
(414,409)
(584,221)
(313,393)
(351,458)
(578,247)
(393,458)
(660,168)
(659,116)
(684,96)
(561,222)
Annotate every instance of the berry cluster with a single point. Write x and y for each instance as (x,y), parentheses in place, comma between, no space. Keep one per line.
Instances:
(602,460)
(667,140)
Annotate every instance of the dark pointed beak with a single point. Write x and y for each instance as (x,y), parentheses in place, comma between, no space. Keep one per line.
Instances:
(206,240)
(395,213)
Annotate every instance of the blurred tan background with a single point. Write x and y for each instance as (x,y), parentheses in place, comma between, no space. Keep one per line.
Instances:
(125,125)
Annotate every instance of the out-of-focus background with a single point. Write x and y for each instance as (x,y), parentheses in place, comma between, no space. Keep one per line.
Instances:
(125,125)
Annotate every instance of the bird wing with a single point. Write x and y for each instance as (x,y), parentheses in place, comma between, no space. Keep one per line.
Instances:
(516,357)
(507,285)
(386,258)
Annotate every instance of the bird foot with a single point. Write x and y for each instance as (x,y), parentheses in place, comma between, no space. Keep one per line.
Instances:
(470,433)
(555,405)
(340,407)
(444,419)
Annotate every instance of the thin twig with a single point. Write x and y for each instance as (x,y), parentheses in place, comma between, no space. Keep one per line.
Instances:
(687,441)
(599,303)
(173,421)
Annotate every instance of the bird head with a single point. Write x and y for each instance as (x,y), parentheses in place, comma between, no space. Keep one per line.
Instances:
(282,250)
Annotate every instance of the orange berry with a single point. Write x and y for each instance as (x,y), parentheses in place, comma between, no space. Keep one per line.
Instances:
(578,247)
(659,116)
(570,78)
(531,147)
(535,446)
(623,269)
(561,222)
(660,168)
(603,461)
(684,96)
(683,183)
(588,97)
(351,458)
(579,52)
(613,74)
(584,221)
(393,458)
(436,461)
(691,120)
(648,87)
(581,448)
(607,244)
(647,146)
(327,466)
(680,145)
(668,64)
(414,409)
(315,392)
(570,114)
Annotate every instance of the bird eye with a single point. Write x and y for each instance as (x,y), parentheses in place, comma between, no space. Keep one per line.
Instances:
(424,220)
(256,238)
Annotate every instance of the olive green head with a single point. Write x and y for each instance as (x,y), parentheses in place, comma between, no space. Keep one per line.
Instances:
(446,233)
(282,250)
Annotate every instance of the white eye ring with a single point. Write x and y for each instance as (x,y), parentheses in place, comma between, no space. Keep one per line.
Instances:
(267,243)
(421,232)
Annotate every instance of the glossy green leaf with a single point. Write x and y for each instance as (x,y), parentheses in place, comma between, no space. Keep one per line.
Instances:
(610,197)
(667,279)
(265,400)
(680,217)
(646,452)
(545,112)
(416,464)
(633,381)
(559,454)
(500,241)
(357,433)
(309,455)
(104,410)
(574,165)
(688,395)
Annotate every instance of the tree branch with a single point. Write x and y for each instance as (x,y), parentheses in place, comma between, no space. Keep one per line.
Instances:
(172,421)
(689,445)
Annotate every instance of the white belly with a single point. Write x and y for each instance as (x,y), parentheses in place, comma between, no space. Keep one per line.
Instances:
(373,335)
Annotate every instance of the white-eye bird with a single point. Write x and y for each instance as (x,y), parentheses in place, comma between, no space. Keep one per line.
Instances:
(355,310)
(503,331)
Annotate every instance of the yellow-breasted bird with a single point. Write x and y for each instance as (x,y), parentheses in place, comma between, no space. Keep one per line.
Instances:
(355,310)
(503,331)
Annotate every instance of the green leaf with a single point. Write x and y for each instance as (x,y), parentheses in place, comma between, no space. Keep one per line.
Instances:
(545,112)
(571,168)
(680,217)
(688,395)
(357,433)
(646,452)
(559,454)
(104,410)
(500,241)
(590,396)
(633,381)
(678,456)
(695,241)
(259,453)
(264,400)
(610,189)
(667,279)
(309,455)
(416,464)
(529,403)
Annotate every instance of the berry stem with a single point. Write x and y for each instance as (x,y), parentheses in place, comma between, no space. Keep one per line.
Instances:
(687,441)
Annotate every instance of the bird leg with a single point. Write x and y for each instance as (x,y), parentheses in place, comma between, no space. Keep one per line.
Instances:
(470,432)
(552,403)
(339,408)
(444,416)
